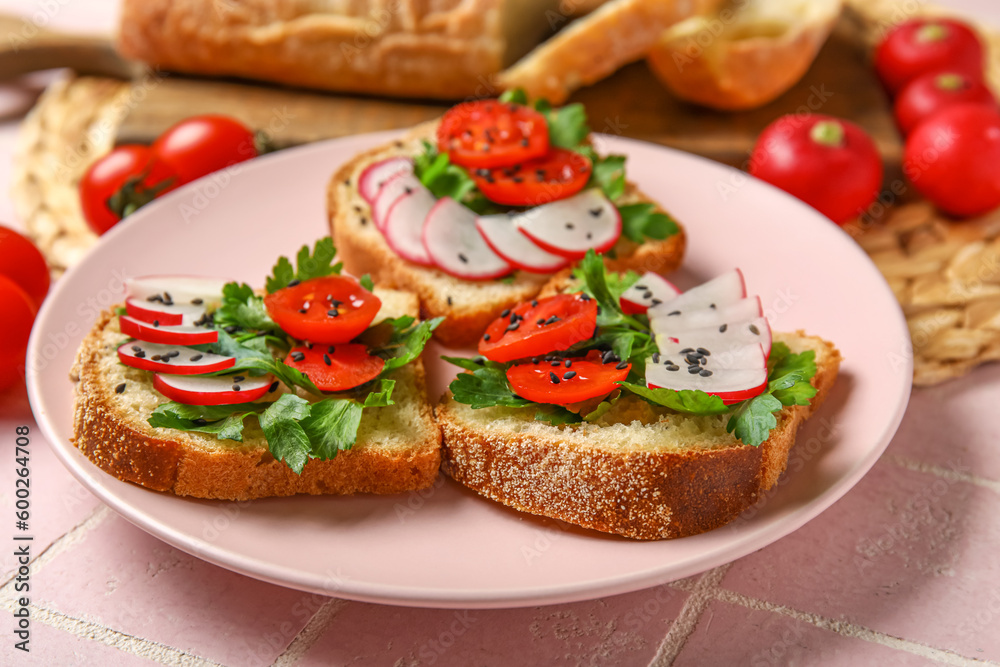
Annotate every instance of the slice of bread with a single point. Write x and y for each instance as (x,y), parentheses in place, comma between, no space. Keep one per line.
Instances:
(398,447)
(639,471)
(469,305)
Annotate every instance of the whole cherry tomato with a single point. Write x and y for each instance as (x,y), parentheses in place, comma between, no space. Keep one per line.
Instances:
(202,144)
(924,45)
(18,316)
(929,93)
(828,163)
(952,159)
(21,261)
(120,182)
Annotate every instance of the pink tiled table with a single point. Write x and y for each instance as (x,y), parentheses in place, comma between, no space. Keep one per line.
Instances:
(904,570)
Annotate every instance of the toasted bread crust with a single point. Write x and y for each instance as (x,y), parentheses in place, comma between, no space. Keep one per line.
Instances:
(165,460)
(639,494)
(463,303)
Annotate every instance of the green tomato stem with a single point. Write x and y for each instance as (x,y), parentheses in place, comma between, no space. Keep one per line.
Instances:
(828,133)
(932,32)
(950,82)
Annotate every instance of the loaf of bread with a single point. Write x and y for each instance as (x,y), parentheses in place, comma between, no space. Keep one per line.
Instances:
(398,447)
(408,48)
(468,305)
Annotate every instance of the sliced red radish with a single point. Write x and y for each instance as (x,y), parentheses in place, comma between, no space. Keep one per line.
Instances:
(732,386)
(213,389)
(744,309)
(389,194)
(404,223)
(377,174)
(713,359)
(176,290)
(570,227)
(174,359)
(146,310)
(723,290)
(502,235)
(455,245)
(182,334)
(727,335)
(651,289)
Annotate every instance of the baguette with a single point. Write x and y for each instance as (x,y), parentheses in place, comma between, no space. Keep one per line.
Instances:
(639,471)
(445,49)
(469,306)
(398,447)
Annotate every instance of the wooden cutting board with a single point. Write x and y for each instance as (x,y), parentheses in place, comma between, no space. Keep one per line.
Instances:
(631,103)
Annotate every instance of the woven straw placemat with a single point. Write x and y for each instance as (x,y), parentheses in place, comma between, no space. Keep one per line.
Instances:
(945,273)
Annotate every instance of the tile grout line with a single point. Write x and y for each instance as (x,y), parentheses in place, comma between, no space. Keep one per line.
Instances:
(945,473)
(845,628)
(60,544)
(90,631)
(311,633)
(686,622)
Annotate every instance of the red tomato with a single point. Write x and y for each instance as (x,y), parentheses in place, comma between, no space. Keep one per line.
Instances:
(561,383)
(952,159)
(120,182)
(539,327)
(336,367)
(488,133)
(924,45)
(929,93)
(18,316)
(202,144)
(21,261)
(557,175)
(333,309)
(828,163)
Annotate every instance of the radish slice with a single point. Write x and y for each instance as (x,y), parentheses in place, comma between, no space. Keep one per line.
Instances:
(455,245)
(724,336)
(182,334)
(651,289)
(179,290)
(731,386)
(404,223)
(145,310)
(391,192)
(570,227)
(212,389)
(723,290)
(502,235)
(377,174)
(172,359)
(739,311)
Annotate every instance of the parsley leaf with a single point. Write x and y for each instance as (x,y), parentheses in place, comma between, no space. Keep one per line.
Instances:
(556,415)
(332,426)
(317,264)
(514,96)
(228,346)
(789,375)
(567,125)
(753,420)
(289,376)
(485,386)
(406,342)
(223,421)
(286,437)
(609,175)
(641,221)
(366,282)
(242,308)
(444,179)
(688,401)
(383,397)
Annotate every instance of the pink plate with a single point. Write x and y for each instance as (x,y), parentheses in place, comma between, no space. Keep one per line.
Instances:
(446,546)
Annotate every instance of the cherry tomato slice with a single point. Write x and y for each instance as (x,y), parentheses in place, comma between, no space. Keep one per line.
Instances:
(557,175)
(333,309)
(18,316)
(488,133)
(336,367)
(201,145)
(539,327)
(24,264)
(561,384)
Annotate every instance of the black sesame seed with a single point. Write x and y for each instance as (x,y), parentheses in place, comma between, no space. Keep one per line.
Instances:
(333,312)
(449,301)
(197,302)
(556,364)
(238,378)
(331,349)
(303,311)
(553,377)
(705,373)
(173,353)
(525,142)
(569,375)
(553,319)
(155,298)
(647,295)
(590,235)
(584,297)
(534,303)
(673,367)
(140,354)
(512,327)
(596,211)
(534,360)
(655,302)
(694,370)
(155,357)
(156,323)
(298,356)
(674,312)
(120,388)
(167,297)
(622,365)
(703,352)
(273,388)
(232,328)
(363,220)
(486,337)
(687,350)
(336,303)
(540,322)
(136,348)
(712,306)
(165,359)
(693,359)
(754,330)
(293,282)
(200,422)
(505,313)
(236,387)
(723,328)
(641,287)
(656,357)
(568,363)
(197,357)
(463,258)
(326,360)
(514,318)
(570,225)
